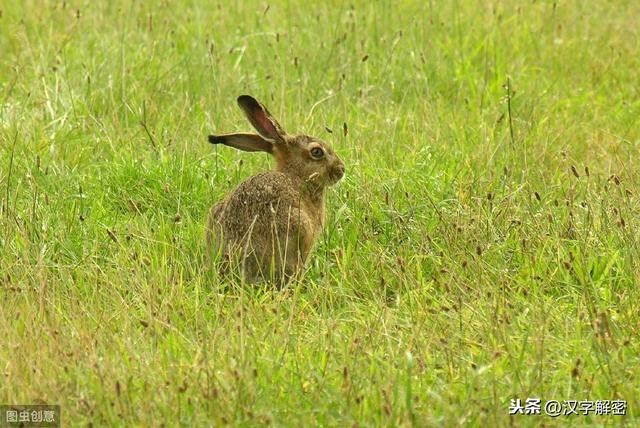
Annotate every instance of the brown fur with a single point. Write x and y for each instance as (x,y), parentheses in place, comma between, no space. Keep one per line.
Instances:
(267,226)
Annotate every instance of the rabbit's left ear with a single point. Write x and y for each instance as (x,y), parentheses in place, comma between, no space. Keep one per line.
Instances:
(244,142)
(261,119)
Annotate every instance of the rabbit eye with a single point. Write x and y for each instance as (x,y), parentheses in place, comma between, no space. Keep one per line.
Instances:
(317,153)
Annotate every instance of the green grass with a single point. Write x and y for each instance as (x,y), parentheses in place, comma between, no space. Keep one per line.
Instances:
(483,246)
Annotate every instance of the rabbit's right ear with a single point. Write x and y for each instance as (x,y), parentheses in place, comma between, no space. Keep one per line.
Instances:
(261,119)
(244,142)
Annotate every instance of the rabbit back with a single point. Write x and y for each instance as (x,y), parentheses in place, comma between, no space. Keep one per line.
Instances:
(266,226)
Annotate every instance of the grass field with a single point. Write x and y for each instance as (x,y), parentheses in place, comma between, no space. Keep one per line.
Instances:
(482,247)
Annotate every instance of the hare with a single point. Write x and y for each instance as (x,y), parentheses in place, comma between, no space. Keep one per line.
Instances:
(267,226)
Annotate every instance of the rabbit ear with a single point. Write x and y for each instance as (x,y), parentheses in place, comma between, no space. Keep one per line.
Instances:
(244,142)
(261,119)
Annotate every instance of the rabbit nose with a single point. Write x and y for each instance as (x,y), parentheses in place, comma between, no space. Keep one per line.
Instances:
(341,170)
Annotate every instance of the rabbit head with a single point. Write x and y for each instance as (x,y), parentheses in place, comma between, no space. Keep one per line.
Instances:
(305,157)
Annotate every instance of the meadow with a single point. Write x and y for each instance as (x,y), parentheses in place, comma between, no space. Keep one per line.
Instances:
(482,247)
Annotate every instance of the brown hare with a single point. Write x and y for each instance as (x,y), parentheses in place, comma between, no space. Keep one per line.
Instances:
(267,226)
